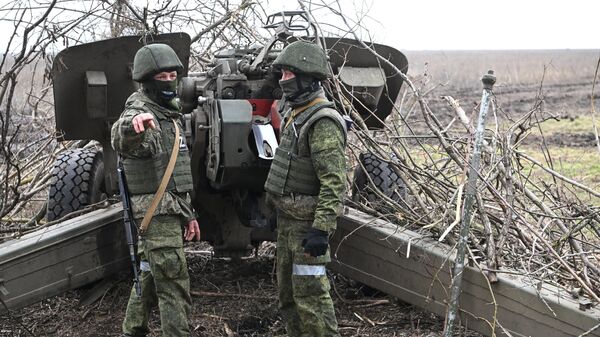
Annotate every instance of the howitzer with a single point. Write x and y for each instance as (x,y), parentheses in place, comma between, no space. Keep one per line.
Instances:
(130,227)
(231,120)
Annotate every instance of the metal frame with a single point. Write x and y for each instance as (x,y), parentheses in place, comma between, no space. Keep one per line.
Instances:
(374,252)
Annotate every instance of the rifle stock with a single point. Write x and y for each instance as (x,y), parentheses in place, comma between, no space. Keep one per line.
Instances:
(130,227)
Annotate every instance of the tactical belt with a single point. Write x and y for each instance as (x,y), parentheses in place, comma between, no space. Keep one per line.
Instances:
(163,183)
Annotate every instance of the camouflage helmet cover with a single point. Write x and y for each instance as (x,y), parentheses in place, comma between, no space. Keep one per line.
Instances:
(305,58)
(154,58)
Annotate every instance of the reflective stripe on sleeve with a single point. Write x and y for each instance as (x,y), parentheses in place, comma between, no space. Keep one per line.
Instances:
(308,269)
(144,266)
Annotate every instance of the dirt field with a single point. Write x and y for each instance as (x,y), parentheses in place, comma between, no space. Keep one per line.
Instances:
(563,77)
(231,298)
(239,298)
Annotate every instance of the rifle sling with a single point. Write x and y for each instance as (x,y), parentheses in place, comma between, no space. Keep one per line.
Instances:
(163,183)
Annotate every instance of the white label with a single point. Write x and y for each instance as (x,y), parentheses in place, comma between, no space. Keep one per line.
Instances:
(308,270)
(182,145)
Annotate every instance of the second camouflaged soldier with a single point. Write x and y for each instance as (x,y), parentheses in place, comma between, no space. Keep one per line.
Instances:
(144,137)
(306,184)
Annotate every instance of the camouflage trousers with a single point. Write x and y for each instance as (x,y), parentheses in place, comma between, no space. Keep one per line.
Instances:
(304,299)
(164,281)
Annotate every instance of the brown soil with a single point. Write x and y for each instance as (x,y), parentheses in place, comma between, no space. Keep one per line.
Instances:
(231,298)
(567,100)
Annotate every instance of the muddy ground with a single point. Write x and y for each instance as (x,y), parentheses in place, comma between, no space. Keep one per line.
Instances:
(230,298)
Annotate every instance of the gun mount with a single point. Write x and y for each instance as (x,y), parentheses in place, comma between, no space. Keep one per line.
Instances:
(231,119)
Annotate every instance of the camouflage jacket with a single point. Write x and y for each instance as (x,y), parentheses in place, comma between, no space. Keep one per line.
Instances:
(326,141)
(127,142)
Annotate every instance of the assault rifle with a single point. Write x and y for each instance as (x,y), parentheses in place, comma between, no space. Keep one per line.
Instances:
(130,227)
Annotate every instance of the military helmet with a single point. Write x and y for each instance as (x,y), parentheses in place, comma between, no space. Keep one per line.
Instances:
(153,59)
(304,58)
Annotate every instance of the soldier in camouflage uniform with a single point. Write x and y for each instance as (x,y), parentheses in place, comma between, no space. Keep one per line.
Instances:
(306,184)
(144,136)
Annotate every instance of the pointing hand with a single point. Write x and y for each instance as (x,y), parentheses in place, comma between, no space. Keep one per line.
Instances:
(143,121)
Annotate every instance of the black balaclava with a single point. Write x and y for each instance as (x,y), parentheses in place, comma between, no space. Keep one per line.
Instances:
(161,92)
(300,90)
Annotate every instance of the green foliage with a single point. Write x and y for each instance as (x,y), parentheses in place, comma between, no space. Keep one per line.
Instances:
(581,164)
(572,125)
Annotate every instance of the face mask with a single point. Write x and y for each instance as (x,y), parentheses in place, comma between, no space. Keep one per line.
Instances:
(162,92)
(295,87)
(289,87)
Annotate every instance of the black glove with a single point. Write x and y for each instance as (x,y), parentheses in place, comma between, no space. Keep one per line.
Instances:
(315,242)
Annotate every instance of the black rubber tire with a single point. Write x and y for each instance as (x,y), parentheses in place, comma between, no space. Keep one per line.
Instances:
(77,181)
(383,176)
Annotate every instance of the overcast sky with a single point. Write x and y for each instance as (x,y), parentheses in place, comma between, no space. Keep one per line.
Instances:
(479,24)
(455,24)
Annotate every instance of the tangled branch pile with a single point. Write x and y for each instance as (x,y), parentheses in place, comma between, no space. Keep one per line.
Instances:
(528,218)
